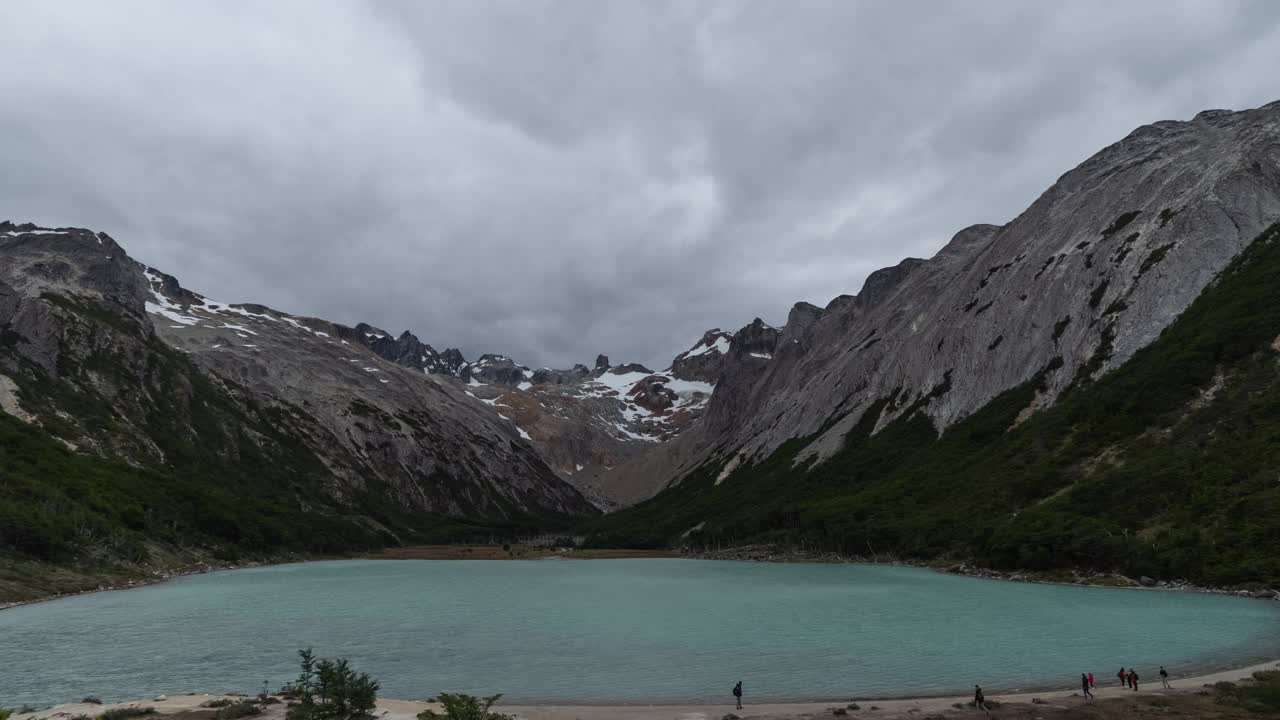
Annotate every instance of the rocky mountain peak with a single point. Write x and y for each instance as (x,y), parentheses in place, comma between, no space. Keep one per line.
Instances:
(880,285)
(629,368)
(493,369)
(968,241)
(1092,271)
(705,360)
(552,376)
(757,340)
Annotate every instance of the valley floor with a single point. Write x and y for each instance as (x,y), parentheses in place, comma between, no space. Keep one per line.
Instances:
(1190,697)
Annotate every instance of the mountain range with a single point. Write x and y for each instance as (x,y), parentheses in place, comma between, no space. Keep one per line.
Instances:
(949,409)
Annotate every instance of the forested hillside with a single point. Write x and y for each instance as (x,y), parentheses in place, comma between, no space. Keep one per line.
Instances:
(1168,466)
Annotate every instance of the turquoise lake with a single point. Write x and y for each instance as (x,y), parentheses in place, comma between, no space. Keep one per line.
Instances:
(615,631)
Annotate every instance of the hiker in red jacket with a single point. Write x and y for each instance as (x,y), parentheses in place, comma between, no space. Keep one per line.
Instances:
(1091,685)
(1123,678)
(1133,679)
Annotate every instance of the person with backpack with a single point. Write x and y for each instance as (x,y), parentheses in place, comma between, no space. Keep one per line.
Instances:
(1133,679)
(1084,685)
(737,694)
(1164,678)
(980,700)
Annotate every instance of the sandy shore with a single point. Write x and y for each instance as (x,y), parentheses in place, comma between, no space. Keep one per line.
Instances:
(891,709)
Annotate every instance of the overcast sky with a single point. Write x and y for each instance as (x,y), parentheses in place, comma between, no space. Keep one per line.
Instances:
(551,180)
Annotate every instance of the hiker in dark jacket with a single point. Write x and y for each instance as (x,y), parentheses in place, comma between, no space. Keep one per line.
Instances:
(1164,678)
(737,693)
(1084,685)
(980,700)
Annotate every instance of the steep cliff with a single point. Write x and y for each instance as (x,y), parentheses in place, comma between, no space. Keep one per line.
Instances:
(1093,271)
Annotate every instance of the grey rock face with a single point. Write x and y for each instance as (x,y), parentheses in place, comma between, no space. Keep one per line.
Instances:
(73,305)
(1094,270)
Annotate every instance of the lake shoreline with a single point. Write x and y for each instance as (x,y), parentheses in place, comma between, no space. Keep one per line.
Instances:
(142,579)
(744,553)
(1047,699)
(776,554)
(412,552)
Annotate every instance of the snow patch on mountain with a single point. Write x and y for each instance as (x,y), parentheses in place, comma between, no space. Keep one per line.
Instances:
(721,345)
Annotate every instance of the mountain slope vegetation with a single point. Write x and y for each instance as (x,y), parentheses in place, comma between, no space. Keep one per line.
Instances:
(121,457)
(1167,466)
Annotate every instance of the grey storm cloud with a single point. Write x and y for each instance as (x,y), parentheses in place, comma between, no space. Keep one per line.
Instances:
(551,180)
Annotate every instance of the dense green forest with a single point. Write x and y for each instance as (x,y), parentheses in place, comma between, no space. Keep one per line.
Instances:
(1168,466)
(70,520)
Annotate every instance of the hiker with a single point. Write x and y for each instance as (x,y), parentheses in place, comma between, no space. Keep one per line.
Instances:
(980,700)
(1091,686)
(1084,685)
(1133,679)
(1123,678)
(1164,678)
(737,694)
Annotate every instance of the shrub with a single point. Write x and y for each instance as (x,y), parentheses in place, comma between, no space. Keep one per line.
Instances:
(1261,695)
(239,709)
(131,711)
(464,707)
(218,703)
(331,690)
(4,714)
(91,700)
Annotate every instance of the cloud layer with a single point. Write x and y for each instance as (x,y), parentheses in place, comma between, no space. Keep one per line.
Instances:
(555,179)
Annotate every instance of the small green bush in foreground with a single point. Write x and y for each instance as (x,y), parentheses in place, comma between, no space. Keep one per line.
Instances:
(238,709)
(331,690)
(464,707)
